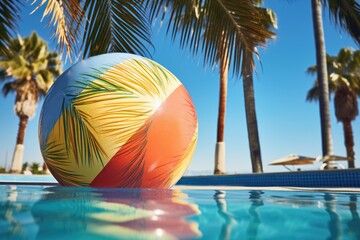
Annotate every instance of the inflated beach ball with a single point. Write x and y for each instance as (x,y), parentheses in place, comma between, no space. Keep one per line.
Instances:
(117,120)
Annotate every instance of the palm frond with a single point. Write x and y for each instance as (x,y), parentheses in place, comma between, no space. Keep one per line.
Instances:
(66,16)
(214,25)
(343,71)
(9,14)
(313,93)
(312,70)
(116,26)
(9,87)
(346,14)
(3,75)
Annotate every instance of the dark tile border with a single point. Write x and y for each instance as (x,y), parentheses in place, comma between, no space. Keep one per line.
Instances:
(346,178)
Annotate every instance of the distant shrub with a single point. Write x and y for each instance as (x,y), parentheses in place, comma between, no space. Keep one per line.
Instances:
(24,167)
(35,169)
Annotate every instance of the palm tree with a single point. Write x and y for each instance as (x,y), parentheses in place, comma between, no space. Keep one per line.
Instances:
(220,143)
(28,69)
(219,29)
(251,120)
(344,82)
(323,81)
(269,22)
(347,15)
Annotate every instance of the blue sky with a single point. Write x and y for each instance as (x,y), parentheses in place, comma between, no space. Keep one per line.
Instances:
(287,123)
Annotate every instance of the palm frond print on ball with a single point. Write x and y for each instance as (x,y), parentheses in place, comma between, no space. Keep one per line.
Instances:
(118,120)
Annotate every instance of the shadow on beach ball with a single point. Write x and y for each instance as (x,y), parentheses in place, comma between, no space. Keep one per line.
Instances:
(118,120)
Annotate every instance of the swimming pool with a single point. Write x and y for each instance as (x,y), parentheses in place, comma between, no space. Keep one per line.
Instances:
(54,212)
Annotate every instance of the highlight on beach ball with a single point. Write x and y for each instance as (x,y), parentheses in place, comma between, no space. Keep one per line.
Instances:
(118,120)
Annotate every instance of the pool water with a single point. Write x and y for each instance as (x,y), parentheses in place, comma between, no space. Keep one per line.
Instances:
(54,212)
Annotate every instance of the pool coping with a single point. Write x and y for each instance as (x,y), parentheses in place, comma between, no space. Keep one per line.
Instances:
(216,187)
(289,188)
(319,180)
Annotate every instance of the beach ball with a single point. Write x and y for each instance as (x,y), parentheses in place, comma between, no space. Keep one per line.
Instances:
(118,120)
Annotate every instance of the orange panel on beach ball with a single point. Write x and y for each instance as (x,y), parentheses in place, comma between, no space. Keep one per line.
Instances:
(118,120)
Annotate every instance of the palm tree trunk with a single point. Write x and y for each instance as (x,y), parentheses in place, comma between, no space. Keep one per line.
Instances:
(21,130)
(220,144)
(251,120)
(349,143)
(19,148)
(326,137)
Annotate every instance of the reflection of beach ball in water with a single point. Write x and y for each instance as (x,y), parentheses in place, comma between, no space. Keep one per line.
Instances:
(118,120)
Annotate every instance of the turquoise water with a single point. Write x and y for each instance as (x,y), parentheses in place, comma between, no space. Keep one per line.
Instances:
(54,212)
